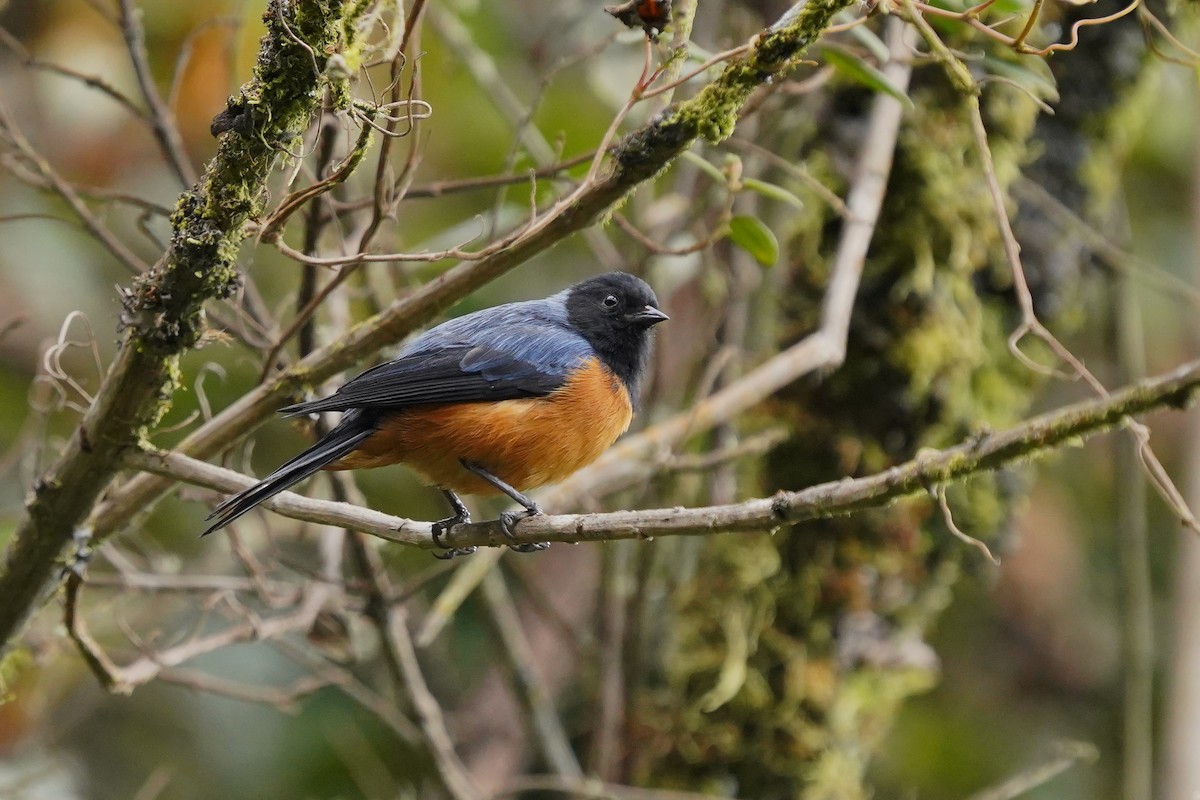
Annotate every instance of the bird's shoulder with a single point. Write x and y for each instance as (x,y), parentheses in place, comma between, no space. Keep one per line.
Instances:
(532,331)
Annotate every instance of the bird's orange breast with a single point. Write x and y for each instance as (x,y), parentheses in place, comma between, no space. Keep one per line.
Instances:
(527,442)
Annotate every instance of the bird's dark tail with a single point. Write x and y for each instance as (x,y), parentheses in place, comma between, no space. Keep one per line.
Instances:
(340,441)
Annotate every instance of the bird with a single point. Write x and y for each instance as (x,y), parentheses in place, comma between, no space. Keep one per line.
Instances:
(495,402)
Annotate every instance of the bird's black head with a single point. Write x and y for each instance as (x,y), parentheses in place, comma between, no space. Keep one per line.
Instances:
(615,312)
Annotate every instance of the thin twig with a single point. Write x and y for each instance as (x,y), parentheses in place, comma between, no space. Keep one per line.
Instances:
(384,708)
(284,699)
(1069,754)
(948,519)
(401,657)
(448,187)
(1169,285)
(969,17)
(184,584)
(547,727)
(163,121)
(92,81)
(101,233)
(750,447)
(1191,58)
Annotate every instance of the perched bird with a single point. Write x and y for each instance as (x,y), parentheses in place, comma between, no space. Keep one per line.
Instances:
(495,402)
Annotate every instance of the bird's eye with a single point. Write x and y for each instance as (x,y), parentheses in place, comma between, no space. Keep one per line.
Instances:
(610,301)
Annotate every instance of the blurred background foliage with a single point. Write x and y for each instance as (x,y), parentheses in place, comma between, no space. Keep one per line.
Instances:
(1030,652)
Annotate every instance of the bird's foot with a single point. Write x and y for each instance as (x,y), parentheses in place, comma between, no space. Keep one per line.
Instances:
(445,555)
(509,518)
(529,547)
(443,526)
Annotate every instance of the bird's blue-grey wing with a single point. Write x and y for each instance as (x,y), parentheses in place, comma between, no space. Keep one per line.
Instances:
(502,353)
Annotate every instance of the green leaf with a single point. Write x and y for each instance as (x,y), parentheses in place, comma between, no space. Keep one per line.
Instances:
(750,234)
(773,191)
(856,69)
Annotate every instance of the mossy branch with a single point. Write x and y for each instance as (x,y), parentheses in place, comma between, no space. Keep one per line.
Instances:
(987,451)
(637,158)
(163,311)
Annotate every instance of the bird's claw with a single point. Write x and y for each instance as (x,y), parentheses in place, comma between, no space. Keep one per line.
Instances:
(443,526)
(509,518)
(455,551)
(529,547)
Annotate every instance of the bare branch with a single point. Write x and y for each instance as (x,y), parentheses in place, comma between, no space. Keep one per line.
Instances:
(1068,755)
(165,129)
(547,727)
(91,81)
(123,679)
(988,451)
(46,173)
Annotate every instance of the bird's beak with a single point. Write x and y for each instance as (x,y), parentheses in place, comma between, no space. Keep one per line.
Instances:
(648,316)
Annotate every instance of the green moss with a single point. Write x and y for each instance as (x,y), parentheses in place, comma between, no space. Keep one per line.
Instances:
(713,112)
(266,119)
(927,364)
(13,665)
(166,393)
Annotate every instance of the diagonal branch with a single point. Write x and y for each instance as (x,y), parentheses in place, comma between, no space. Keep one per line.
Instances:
(987,451)
(163,315)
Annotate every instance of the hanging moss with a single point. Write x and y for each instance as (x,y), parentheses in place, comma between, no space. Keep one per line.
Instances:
(829,616)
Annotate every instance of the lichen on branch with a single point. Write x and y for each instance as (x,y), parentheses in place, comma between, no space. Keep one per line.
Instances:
(163,310)
(714,111)
(261,124)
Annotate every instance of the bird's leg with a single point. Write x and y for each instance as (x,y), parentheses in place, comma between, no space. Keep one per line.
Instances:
(508,518)
(461,516)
